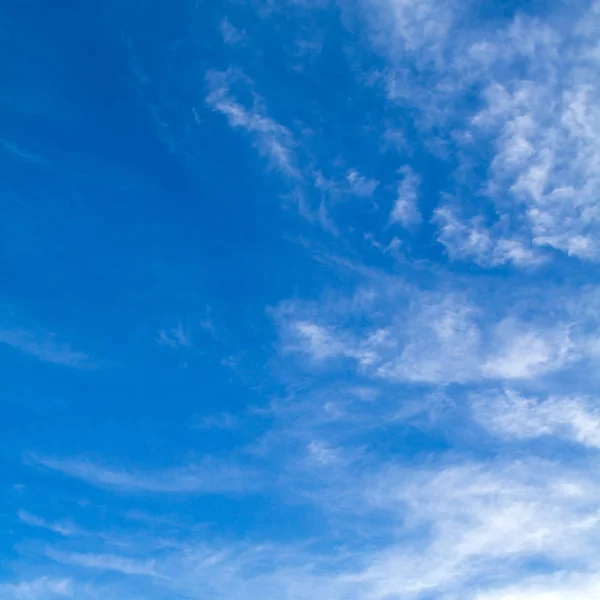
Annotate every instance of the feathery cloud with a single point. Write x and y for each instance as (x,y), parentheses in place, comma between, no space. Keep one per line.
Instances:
(105,562)
(205,477)
(65,529)
(425,337)
(273,141)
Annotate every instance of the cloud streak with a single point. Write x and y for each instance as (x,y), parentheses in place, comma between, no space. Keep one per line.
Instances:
(273,141)
(205,477)
(46,349)
(105,562)
(64,529)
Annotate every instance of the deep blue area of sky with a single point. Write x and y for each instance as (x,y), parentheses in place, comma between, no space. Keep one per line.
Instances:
(115,225)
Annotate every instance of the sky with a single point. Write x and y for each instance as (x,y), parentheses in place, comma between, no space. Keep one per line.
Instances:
(299,300)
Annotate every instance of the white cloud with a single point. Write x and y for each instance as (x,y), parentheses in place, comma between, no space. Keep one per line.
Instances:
(442,342)
(359,185)
(41,588)
(525,352)
(176,337)
(231,35)
(394,138)
(544,127)
(448,526)
(512,415)
(353,184)
(472,240)
(385,352)
(546,157)
(522,101)
(208,324)
(461,239)
(419,28)
(406,210)
(205,477)
(274,141)
(559,586)
(322,454)
(429,337)
(321,343)
(64,529)
(479,519)
(105,562)
(46,349)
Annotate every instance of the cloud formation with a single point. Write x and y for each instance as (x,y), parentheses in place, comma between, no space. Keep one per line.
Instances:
(429,337)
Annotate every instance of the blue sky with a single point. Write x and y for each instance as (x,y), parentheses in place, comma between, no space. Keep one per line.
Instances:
(299,300)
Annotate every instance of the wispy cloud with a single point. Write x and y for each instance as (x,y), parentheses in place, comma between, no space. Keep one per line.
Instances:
(41,588)
(479,517)
(46,348)
(471,239)
(273,140)
(176,337)
(353,183)
(231,35)
(62,528)
(105,562)
(208,325)
(321,342)
(205,477)
(15,151)
(462,522)
(420,29)
(222,420)
(359,185)
(433,337)
(405,210)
